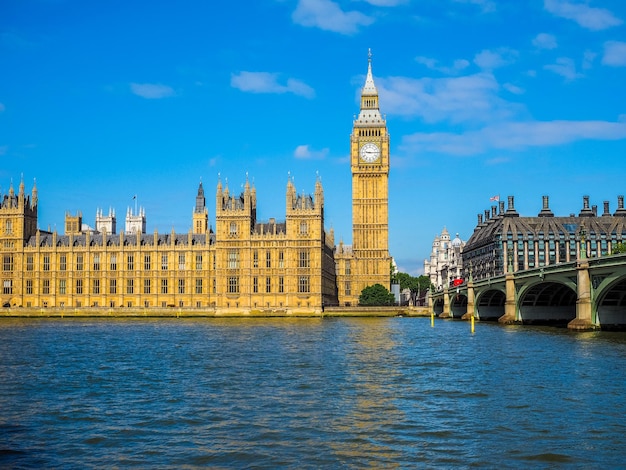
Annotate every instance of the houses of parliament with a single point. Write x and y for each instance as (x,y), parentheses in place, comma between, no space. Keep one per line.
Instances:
(244,265)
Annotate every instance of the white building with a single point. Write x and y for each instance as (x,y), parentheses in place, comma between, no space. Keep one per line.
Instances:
(445,261)
(106,223)
(136,223)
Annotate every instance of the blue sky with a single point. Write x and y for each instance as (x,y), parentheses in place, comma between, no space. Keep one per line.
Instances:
(102,100)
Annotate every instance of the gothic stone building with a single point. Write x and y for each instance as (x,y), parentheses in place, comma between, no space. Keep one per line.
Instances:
(367,261)
(245,265)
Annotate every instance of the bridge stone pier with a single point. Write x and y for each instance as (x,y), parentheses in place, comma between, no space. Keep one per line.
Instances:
(586,294)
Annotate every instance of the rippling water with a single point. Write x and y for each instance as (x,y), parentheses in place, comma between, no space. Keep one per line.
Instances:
(308,393)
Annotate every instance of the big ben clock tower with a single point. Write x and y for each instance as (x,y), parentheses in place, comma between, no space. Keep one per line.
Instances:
(369,159)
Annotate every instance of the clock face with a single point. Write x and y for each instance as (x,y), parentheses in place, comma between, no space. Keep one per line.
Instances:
(369,152)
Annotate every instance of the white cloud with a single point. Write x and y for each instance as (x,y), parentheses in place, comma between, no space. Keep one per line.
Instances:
(304,152)
(565,67)
(498,161)
(487,6)
(429,62)
(545,41)
(327,15)
(152,91)
(614,54)
(513,136)
(492,59)
(588,17)
(266,82)
(588,58)
(433,64)
(513,89)
(386,3)
(471,98)
(298,87)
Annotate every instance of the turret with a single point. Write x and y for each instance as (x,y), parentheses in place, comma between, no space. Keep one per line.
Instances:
(18,216)
(200,200)
(319,195)
(200,217)
(136,223)
(247,196)
(106,223)
(290,194)
(235,215)
(21,188)
(35,198)
(73,223)
(219,195)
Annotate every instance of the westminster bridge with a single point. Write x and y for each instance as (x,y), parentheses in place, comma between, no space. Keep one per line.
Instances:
(586,294)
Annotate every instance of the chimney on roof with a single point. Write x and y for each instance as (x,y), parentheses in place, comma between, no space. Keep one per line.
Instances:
(480,220)
(620,207)
(545,211)
(511,212)
(501,204)
(585,212)
(594,209)
(606,209)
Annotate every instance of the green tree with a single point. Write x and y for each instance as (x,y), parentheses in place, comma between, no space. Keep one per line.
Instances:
(416,285)
(376,296)
(424,286)
(619,248)
(393,273)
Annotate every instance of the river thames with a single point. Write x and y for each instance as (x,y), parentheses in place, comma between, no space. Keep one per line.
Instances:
(308,393)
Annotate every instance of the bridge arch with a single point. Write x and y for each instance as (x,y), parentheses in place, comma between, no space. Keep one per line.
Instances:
(438,306)
(490,304)
(547,303)
(458,305)
(611,303)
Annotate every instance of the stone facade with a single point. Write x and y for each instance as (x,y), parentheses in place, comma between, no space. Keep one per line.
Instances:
(367,261)
(245,265)
(445,263)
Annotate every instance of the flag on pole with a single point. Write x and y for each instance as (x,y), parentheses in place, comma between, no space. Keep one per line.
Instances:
(495,198)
